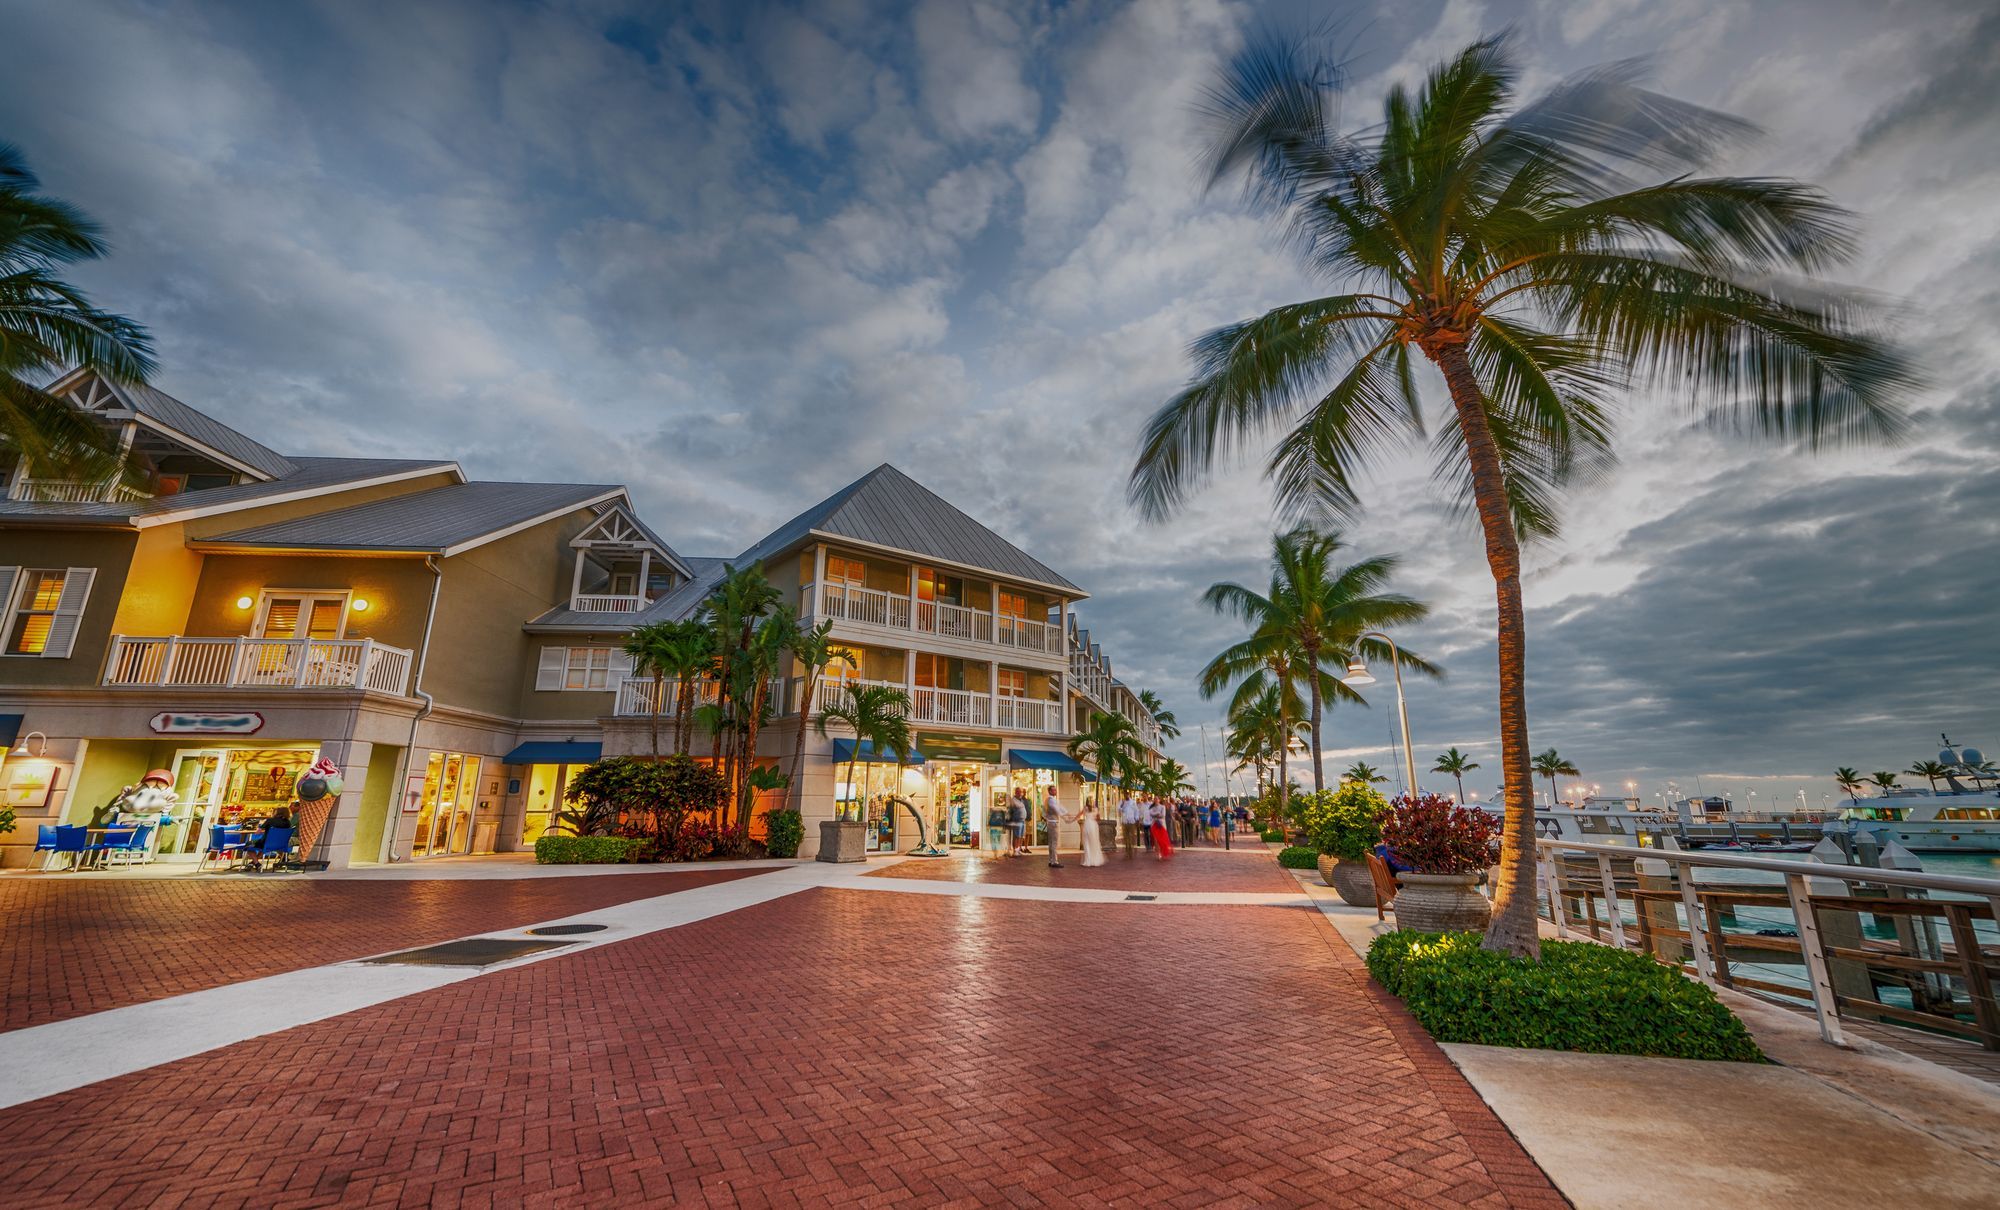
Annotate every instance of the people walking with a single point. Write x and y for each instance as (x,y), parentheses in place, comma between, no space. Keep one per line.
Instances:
(1156,820)
(1228,829)
(1093,844)
(996,827)
(1052,814)
(1128,824)
(1017,822)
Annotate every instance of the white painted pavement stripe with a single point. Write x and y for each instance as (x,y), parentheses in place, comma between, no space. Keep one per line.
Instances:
(993,890)
(43,1060)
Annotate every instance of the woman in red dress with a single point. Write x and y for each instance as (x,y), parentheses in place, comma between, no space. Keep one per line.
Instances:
(1156,819)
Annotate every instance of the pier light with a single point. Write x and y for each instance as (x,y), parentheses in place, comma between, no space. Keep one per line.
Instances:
(1357,673)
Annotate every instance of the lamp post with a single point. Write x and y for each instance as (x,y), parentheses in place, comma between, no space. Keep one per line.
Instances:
(1358,674)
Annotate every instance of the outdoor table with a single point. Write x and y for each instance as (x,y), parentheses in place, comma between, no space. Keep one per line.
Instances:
(93,858)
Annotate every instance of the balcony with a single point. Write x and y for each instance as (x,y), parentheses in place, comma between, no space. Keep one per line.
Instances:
(183,662)
(607,603)
(941,707)
(73,491)
(896,611)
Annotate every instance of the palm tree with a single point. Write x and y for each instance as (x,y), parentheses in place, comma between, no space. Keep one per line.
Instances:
(1883,780)
(1542,260)
(1458,764)
(1163,718)
(686,653)
(814,650)
(1848,780)
(1930,771)
(735,614)
(1111,743)
(1255,732)
(879,716)
(1171,779)
(1363,772)
(1552,764)
(1319,612)
(47,326)
(652,648)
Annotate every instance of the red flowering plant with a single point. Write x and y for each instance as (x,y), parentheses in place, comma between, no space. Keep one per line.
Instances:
(1433,835)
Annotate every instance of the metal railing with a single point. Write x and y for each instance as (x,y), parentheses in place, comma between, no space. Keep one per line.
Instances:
(74,491)
(599,602)
(901,612)
(636,696)
(181,661)
(1870,944)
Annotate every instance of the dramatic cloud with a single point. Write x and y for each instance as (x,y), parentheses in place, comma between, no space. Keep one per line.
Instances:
(736,254)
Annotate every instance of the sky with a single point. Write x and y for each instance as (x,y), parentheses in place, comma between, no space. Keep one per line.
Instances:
(734,255)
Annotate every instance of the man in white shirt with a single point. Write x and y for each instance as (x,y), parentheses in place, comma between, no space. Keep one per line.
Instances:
(1128,824)
(1053,815)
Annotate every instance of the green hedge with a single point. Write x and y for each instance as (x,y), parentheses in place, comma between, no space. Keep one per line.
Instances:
(1298,857)
(582,850)
(1274,836)
(784,829)
(1580,996)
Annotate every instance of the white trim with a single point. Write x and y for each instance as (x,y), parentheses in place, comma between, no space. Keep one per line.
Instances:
(306,596)
(911,556)
(149,520)
(202,447)
(530,523)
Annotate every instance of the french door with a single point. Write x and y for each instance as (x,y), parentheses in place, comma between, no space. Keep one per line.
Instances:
(199,777)
(444,820)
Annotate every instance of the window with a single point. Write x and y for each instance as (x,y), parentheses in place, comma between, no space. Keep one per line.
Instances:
(302,615)
(1013,683)
(582,669)
(1013,604)
(588,668)
(842,570)
(35,611)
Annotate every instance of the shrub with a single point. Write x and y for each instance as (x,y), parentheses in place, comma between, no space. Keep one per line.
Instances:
(784,829)
(1298,857)
(642,800)
(1432,835)
(1579,996)
(582,850)
(1346,822)
(1275,835)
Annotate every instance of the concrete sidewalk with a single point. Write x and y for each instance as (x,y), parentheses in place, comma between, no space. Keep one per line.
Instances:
(1831,1127)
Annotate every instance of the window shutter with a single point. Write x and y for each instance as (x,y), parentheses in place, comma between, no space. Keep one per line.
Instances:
(549,673)
(621,670)
(69,612)
(7,577)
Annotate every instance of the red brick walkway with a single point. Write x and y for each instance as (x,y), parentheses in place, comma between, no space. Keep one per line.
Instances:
(75,947)
(1189,870)
(832,1046)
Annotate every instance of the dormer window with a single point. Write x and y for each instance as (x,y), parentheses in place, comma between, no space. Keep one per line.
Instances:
(620,567)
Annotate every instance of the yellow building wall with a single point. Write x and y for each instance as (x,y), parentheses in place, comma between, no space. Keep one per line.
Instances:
(160,586)
(397,591)
(480,657)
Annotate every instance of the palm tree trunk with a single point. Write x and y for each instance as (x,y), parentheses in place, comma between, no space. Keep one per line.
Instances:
(1460,779)
(1312,682)
(811,691)
(659,705)
(1515,926)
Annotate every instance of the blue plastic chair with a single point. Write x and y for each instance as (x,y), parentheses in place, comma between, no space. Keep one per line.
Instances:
(224,842)
(45,842)
(132,848)
(276,847)
(72,842)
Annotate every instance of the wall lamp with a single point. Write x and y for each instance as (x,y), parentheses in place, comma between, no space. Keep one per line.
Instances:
(21,749)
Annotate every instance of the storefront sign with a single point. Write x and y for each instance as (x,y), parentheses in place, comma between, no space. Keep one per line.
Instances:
(947,745)
(173,722)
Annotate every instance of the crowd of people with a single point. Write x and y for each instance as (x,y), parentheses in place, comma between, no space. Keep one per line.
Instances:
(1148,823)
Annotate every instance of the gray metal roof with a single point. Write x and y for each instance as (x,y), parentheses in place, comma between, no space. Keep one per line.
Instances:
(308,474)
(683,602)
(156,404)
(431,522)
(885,507)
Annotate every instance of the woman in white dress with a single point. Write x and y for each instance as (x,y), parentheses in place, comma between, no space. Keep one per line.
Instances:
(1093,846)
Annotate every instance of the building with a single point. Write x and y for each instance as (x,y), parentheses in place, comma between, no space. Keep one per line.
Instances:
(455,646)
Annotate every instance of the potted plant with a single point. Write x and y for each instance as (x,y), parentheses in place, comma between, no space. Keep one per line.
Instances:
(1344,824)
(1447,849)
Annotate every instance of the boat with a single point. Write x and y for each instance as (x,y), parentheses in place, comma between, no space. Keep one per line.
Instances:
(1960,819)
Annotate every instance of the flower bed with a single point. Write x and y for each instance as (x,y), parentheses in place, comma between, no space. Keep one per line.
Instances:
(1580,996)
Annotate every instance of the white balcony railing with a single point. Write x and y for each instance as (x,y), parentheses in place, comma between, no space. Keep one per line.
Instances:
(185,662)
(899,612)
(73,491)
(607,603)
(636,696)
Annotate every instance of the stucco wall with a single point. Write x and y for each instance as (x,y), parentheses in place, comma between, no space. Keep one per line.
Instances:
(397,592)
(479,653)
(111,554)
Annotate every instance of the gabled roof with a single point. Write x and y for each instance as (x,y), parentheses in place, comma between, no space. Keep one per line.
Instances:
(683,602)
(311,476)
(619,528)
(161,411)
(441,521)
(886,508)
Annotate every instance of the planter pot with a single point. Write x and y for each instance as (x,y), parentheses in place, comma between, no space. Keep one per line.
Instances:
(1350,878)
(842,840)
(1441,903)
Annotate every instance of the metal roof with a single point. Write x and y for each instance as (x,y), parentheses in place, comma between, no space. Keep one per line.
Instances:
(683,602)
(442,520)
(887,508)
(308,475)
(171,413)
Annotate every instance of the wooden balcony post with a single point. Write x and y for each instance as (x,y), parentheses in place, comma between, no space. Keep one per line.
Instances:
(819,583)
(236,661)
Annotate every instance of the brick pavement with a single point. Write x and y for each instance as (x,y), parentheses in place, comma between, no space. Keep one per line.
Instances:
(75,947)
(1189,870)
(832,1046)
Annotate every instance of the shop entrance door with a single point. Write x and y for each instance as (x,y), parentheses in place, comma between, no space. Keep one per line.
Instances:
(198,784)
(444,821)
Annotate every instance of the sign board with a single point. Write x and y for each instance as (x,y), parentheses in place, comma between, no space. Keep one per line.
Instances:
(950,745)
(240,722)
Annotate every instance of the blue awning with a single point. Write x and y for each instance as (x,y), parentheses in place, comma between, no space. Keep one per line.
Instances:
(843,752)
(1042,758)
(554,752)
(10,729)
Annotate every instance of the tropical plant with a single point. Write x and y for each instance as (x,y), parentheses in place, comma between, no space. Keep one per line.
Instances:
(1298,856)
(1456,763)
(641,800)
(784,830)
(1882,779)
(1110,743)
(879,716)
(1363,772)
(1311,617)
(813,648)
(1163,718)
(48,326)
(686,655)
(1849,780)
(1543,261)
(653,646)
(1930,771)
(1433,835)
(1171,779)
(1346,822)
(1552,764)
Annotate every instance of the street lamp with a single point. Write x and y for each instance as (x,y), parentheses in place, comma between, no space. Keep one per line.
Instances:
(1358,674)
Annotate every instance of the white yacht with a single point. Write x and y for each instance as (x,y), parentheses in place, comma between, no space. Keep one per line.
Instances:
(1960,819)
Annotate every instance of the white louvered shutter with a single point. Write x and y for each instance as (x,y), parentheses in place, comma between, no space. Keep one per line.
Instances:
(7,577)
(549,673)
(69,612)
(621,670)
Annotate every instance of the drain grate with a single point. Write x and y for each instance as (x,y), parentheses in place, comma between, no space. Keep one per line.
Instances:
(567,930)
(479,951)
(1140,898)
